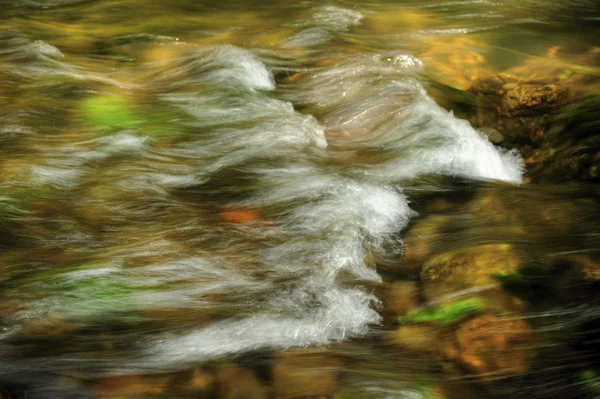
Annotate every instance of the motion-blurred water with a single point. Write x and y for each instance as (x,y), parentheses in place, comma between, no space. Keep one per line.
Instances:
(186,181)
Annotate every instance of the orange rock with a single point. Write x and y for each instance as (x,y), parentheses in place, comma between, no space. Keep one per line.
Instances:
(489,344)
(239,215)
(325,62)
(294,77)
(552,51)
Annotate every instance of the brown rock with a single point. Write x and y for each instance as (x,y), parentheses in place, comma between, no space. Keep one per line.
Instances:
(488,344)
(239,383)
(201,381)
(588,267)
(131,386)
(467,272)
(401,298)
(51,327)
(422,238)
(416,337)
(298,375)
(532,99)
(466,268)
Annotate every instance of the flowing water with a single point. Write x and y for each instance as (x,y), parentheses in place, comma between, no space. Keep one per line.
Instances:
(194,184)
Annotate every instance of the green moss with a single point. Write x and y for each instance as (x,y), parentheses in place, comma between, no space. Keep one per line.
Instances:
(445,314)
(108,114)
(84,291)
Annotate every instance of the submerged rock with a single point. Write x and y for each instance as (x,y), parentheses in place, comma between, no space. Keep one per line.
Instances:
(132,386)
(470,271)
(401,297)
(51,327)
(422,338)
(548,110)
(423,237)
(489,344)
(239,383)
(299,375)
(492,134)
(535,219)
(532,99)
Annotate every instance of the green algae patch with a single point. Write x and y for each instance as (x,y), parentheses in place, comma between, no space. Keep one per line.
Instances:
(444,314)
(109,114)
(110,111)
(85,291)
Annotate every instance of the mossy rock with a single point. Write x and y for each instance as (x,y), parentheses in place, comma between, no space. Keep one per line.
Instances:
(468,268)
(462,274)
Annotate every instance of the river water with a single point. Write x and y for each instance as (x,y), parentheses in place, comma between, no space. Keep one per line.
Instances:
(201,187)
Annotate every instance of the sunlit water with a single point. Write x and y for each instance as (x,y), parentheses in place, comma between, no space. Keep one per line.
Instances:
(186,182)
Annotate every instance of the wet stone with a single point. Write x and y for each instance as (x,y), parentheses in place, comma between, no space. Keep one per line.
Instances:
(492,134)
(588,267)
(239,383)
(422,238)
(417,338)
(201,381)
(132,386)
(51,327)
(489,344)
(531,99)
(300,375)
(401,297)
(467,268)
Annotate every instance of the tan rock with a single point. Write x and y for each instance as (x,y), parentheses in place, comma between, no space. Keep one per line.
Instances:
(131,386)
(201,381)
(297,374)
(400,298)
(51,327)
(239,383)
(468,268)
(423,237)
(533,99)
(417,338)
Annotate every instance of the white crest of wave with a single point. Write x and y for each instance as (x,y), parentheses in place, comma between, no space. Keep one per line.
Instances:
(224,65)
(325,22)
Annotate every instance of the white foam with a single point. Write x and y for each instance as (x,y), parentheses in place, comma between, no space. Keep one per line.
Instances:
(326,21)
